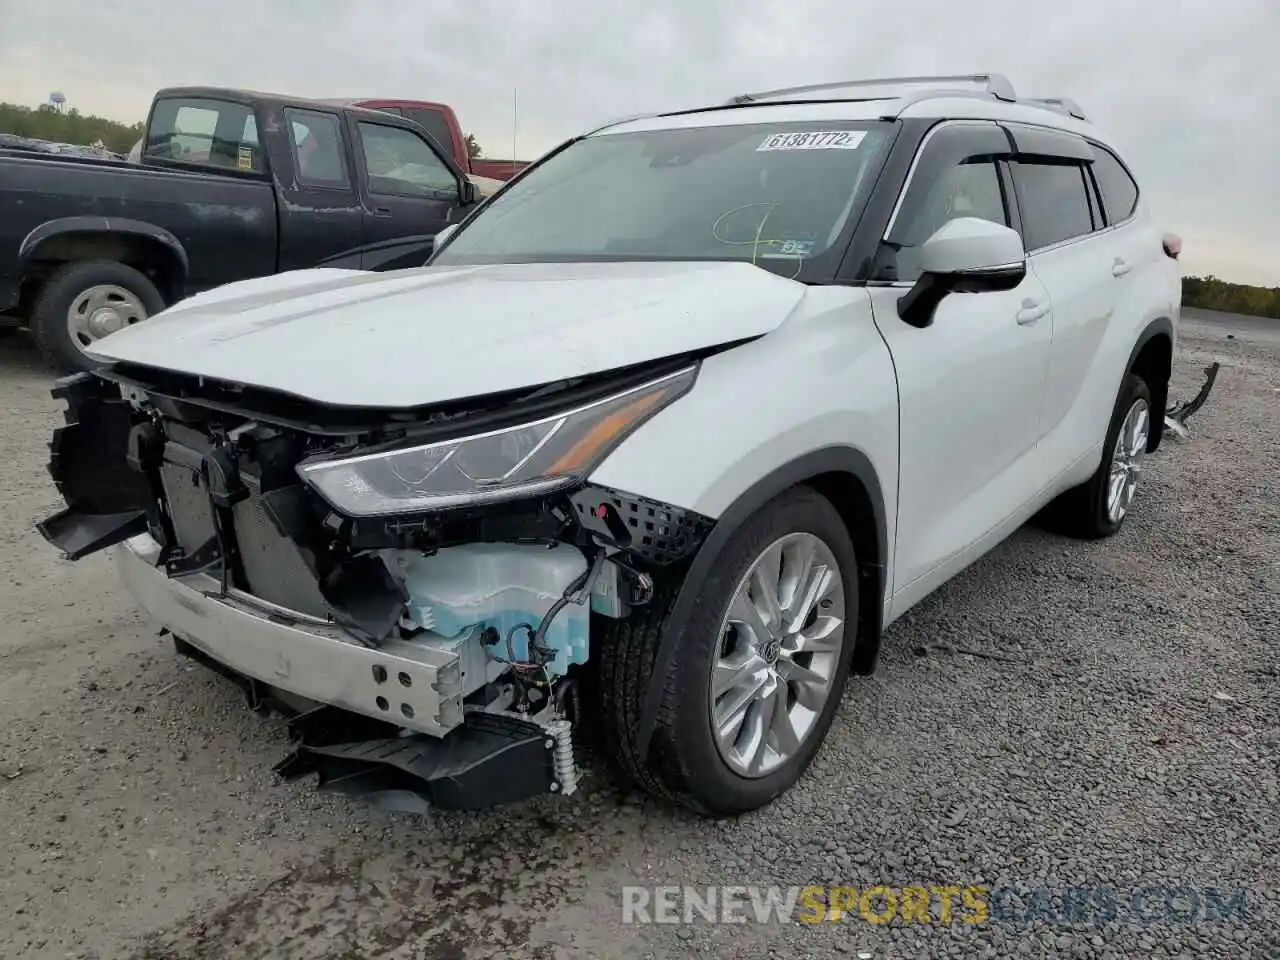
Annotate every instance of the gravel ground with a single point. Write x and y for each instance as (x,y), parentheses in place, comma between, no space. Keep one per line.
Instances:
(1126,737)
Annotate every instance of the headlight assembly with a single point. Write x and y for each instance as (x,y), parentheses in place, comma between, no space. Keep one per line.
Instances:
(529,459)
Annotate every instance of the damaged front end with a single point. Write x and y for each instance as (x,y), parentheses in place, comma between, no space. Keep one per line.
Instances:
(414,589)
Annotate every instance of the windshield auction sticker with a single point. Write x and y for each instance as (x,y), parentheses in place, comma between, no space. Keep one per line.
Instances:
(817,140)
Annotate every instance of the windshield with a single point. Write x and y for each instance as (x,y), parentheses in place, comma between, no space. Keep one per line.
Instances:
(778,196)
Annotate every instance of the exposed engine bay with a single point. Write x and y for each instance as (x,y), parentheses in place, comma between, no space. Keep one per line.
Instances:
(426,652)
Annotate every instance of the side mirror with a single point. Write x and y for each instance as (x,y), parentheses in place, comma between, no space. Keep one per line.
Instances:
(443,235)
(468,193)
(964,255)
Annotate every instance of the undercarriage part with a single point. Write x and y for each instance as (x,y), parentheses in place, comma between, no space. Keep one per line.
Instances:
(494,759)
(562,754)
(1177,414)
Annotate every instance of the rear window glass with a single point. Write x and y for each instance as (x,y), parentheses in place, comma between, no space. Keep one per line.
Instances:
(434,123)
(206,133)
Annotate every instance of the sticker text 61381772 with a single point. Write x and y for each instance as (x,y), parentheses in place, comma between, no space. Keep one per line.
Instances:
(816,140)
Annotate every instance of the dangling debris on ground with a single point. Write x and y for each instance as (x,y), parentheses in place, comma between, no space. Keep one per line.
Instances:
(1177,414)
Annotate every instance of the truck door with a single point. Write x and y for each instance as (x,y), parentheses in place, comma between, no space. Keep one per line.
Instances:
(321,219)
(409,193)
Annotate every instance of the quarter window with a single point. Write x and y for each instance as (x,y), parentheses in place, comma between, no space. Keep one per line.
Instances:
(1054,202)
(400,163)
(1119,192)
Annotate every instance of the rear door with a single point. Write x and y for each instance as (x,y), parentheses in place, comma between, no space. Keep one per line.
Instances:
(321,218)
(409,193)
(1060,219)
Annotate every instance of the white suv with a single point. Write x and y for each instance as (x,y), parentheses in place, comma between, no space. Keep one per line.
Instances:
(664,436)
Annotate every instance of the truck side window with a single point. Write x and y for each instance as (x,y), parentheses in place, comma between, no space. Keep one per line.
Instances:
(401,163)
(205,133)
(316,141)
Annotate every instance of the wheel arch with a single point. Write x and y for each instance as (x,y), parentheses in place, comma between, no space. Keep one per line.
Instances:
(148,248)
(1152,359)
(848,479)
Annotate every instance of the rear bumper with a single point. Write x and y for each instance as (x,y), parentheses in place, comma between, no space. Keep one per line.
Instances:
(411,685)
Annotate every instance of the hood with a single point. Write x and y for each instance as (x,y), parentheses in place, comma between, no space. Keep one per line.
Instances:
(409,338)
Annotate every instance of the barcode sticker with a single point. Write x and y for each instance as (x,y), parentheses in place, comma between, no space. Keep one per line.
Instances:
(816,140)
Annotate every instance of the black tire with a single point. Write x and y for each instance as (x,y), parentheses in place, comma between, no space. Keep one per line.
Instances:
(1081,512)
(684,764)
(61,290)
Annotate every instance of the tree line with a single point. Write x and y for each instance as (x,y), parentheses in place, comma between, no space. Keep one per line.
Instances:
(46,123)
(1210,293)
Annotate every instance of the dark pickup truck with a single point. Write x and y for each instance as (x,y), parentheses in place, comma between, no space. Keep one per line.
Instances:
(230,185)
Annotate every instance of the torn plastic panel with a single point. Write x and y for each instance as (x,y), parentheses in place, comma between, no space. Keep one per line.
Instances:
(1177,414)
(650,532)
(495,759)
(107,500)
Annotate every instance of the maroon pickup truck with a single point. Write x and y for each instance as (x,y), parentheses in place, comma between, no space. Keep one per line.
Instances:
(439,120)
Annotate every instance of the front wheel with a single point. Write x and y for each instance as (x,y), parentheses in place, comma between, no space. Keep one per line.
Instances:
(756,683)
(86,301)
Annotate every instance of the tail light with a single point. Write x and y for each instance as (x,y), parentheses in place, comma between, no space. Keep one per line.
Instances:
(1172,245)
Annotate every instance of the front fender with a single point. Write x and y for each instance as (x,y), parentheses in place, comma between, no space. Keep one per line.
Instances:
(815,398)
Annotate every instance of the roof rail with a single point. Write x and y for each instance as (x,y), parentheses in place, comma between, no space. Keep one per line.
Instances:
(1061,104)
(996,84)
(617,120)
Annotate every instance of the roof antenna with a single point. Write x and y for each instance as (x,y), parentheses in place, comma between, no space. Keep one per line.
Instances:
(515,122)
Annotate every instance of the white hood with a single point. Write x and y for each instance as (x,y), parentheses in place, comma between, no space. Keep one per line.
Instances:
(413,337)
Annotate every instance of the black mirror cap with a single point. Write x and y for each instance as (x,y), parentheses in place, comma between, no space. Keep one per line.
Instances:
(470,195)
(918,304)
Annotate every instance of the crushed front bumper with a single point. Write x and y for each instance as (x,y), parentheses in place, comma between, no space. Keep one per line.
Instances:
(413,686)
(384,724)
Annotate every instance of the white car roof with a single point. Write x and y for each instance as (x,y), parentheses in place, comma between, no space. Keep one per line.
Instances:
(939,104)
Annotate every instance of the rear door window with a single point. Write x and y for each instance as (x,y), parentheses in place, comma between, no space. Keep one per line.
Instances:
(1054,202)
(205,133)
(316,141)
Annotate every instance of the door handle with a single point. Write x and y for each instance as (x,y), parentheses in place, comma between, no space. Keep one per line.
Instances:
(1032,310)
(1120,267)
(382,211)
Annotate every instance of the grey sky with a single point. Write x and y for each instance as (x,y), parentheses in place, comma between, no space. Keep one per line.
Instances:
(1190,90)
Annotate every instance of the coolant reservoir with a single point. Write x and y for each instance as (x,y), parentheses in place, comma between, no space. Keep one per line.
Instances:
(499,585)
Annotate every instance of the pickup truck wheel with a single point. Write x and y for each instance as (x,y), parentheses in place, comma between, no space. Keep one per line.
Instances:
(84,302)
(754,687)
(1098,507)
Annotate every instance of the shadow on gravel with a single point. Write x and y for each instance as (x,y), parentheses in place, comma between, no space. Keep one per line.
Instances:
(18,356)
